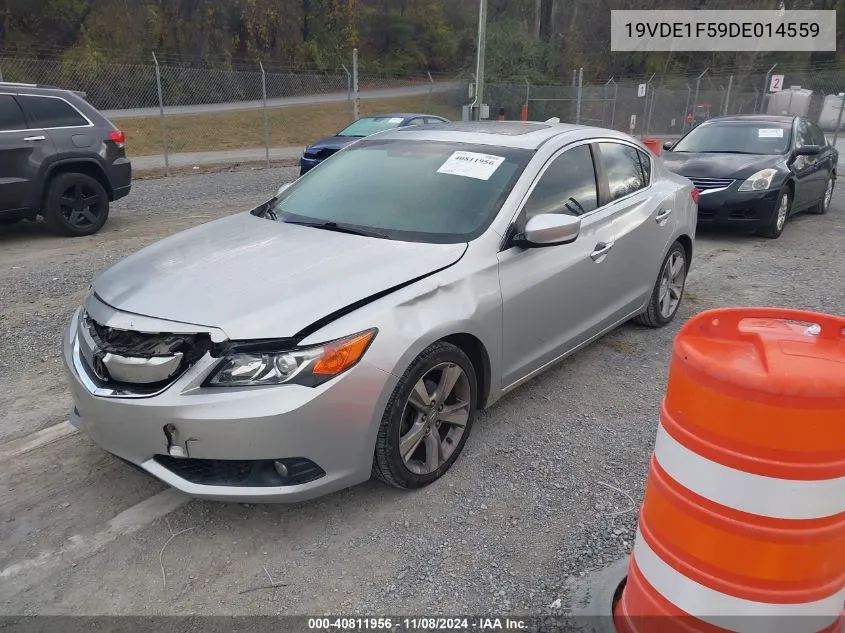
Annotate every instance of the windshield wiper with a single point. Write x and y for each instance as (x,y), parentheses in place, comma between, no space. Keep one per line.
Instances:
(726,151)
(337,228)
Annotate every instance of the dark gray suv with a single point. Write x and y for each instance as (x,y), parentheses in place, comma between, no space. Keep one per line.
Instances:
(59,158)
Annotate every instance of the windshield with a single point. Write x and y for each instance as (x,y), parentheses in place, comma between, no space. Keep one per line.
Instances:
(737,137)
(371,125)
(418,191)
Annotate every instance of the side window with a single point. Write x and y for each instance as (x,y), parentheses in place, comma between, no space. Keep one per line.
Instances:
(417,121)
(803,135)
(645,163)
(567,186)
(817,135)
(431,121)
(11,117)
(48,112)
(624,169)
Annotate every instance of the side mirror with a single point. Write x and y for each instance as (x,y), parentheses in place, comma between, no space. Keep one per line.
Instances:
(668,145)
(808,150)
(549,229)
(283,188)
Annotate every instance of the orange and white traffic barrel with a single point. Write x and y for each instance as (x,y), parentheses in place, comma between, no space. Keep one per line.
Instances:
(743,523)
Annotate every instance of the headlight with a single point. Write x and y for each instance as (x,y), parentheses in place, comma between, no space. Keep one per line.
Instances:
(307,366)
(760,181)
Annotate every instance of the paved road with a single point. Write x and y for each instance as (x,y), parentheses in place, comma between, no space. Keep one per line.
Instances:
(283,102)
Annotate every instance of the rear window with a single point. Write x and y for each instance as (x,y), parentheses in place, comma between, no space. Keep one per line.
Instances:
(50,112)
(11,117)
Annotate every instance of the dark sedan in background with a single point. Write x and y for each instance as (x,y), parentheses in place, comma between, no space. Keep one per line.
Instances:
(755,171)
(320,150)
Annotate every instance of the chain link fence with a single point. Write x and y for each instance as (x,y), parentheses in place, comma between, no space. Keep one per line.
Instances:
(668,107)
(170,113)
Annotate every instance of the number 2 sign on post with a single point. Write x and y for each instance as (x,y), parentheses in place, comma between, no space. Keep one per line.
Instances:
(776,84)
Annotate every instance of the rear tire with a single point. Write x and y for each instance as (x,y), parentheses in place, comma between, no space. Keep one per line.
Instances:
(75,205)
(774,226)
(428,418)
(668,289)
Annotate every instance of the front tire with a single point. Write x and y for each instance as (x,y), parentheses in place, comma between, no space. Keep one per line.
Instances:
(773,228)
(75,205)
(668,289)
(823,205)
(428,418)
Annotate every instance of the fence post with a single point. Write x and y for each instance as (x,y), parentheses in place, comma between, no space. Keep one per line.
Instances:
(839,120)
(756,97)
(645,106)
(430,91)
(356,108)
(686,110)
(728,95)
(348,82)
(1,74)
(580,89)
(264,104)
(163,118)
(615,98)
(766,86)
(524,113)
(697,86)
(650,110)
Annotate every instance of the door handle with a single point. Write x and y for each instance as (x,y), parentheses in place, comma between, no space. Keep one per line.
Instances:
(602,249)
(662,215)
(35,138)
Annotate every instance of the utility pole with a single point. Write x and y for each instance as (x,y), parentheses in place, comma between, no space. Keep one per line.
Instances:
(482,51)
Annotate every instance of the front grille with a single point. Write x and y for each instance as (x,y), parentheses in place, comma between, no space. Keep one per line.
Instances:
(709,184)
(146,361)
(247,473)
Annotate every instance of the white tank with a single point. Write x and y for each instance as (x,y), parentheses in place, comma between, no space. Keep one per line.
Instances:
(830,112)
(792,102)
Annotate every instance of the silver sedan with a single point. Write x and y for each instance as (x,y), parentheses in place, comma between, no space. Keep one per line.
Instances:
(352,326)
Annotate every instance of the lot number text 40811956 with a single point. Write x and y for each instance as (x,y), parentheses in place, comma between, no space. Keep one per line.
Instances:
(722,29)
(434,624)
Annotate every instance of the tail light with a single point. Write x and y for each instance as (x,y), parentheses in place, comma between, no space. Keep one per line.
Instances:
(694,194)
(117,136)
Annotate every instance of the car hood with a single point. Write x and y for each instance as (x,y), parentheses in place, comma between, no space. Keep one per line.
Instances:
(255,278)
(733,166)
(332,142)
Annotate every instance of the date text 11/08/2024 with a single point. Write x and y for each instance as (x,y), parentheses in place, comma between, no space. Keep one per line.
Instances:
(415,624)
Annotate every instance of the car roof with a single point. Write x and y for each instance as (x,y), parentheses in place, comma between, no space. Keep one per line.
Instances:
(514,134)
(396,115)
(37,89)
(762,118)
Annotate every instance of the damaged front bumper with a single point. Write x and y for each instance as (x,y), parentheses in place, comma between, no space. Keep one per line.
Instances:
(277,444)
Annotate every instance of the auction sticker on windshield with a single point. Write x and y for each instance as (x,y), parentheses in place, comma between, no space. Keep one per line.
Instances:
(770,133)
(471,165)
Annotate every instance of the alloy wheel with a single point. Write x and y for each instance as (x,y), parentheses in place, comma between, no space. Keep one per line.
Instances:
(672,284)
(435,418)
(80,206)
(828,195)
(783,211)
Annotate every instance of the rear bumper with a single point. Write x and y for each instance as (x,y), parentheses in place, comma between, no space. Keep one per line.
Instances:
(120,178)
(733,208)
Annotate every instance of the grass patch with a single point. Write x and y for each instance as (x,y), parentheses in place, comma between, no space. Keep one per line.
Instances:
(291,126)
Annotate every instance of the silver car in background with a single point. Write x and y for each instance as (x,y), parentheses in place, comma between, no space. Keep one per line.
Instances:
(352,326)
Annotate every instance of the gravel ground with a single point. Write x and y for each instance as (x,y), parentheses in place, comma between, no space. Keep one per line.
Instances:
(545,492)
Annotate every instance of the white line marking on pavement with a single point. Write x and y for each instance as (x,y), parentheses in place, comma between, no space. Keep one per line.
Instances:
(129,521)
(23,445)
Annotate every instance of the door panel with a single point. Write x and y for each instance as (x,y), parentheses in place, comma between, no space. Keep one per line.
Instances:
(642,218)
(21,154)
(554,298)
(810,175)
(557,297)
